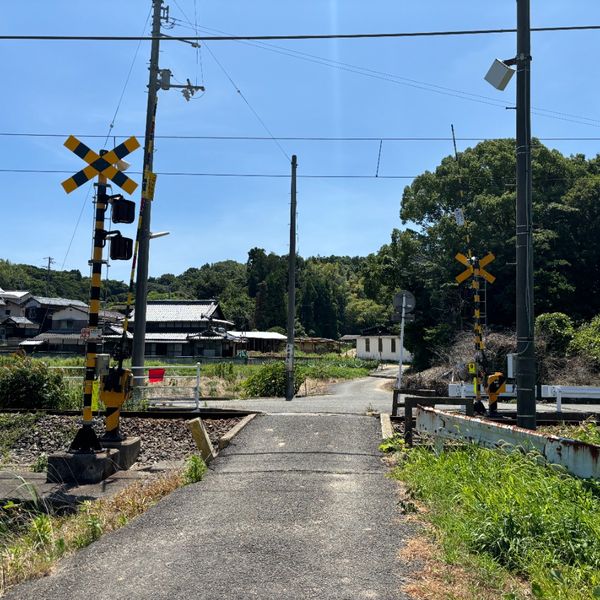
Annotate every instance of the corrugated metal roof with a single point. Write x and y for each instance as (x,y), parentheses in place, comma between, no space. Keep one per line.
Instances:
(59,336)
(59,302)
(15,296)
(178,310)
(19,321)
(258,335)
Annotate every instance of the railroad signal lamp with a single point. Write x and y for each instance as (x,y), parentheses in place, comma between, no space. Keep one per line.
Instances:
(123,211)
(121,248)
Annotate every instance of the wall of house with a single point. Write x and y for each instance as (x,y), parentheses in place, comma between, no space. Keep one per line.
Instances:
(69,319)
(382,347)
(12,309)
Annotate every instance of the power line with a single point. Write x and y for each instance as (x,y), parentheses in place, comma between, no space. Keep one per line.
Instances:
(208,174)
(260,138)
(397,79)
(482,177)
(237,89)
(330,36)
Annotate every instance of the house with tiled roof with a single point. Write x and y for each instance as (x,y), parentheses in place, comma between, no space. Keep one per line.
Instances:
(176,328)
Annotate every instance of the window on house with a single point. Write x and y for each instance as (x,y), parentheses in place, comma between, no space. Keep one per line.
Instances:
(379,345)
(393,344)
(367,345)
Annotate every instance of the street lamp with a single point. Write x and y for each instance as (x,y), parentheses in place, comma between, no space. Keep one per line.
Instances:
(158,234)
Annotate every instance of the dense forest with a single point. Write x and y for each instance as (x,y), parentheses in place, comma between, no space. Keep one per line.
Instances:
(338,295)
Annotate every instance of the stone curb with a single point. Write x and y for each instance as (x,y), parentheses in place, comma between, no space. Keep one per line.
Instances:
(226,439)
(387,431)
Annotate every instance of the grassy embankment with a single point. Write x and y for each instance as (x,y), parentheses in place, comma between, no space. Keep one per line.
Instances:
(32,539)
(511,526)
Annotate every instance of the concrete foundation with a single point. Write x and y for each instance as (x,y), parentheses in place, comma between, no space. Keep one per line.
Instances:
(129,450)
(70,467)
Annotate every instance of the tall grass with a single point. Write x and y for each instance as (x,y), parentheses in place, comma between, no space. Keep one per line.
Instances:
(587,431)
(532,519)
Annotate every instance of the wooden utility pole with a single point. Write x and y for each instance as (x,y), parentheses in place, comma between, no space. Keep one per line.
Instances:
(291,312)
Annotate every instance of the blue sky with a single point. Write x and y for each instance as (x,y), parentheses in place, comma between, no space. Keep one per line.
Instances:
(75,87)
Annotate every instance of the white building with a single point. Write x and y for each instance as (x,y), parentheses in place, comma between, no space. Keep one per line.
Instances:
(381,347)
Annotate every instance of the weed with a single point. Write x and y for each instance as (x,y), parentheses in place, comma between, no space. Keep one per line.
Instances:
(395,443)
(40,464)
(511,513)
(40,530)
(195,468)
(29,551)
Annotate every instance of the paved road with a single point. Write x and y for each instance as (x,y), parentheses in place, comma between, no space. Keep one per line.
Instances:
(356,396)
(297,507)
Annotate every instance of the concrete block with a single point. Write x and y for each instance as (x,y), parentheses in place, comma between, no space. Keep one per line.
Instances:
(202,440)
(129,450)
(387,429)
(71,467)
(225,440)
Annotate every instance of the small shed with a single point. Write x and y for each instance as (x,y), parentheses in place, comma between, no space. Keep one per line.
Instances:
(316,345)
(261,341)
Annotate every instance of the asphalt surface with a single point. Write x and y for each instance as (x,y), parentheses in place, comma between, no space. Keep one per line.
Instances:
(359,396)
(350,397)
(297,507)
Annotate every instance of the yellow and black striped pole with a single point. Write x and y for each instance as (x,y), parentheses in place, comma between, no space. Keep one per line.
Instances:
(477,329)
(86,440)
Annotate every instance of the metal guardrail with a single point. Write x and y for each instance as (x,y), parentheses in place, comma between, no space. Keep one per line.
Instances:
(578,458)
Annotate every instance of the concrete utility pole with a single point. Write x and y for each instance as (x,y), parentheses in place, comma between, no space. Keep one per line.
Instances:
(51,261)
(291,313)
(525,313)
(141,284)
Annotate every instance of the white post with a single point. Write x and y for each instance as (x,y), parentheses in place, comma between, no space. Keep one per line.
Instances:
(197,390)
(399,382)
(558,399)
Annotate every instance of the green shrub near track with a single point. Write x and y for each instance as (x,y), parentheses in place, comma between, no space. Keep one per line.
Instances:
(269,381)
(28,383)
(508,509)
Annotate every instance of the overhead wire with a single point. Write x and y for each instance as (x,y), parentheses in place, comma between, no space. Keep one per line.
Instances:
(108,135)
(237,89)
(326,36)
(482,177)
(375,138)
(235,86)
(401,80)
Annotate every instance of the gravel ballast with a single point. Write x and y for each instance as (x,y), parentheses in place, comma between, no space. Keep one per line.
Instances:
(162,439)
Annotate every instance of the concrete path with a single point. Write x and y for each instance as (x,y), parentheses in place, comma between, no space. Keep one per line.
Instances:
(297,507)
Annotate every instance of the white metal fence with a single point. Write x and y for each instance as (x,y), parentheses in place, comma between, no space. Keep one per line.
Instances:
(164,385)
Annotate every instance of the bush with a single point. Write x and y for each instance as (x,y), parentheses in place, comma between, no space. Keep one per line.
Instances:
(269,381)
(28,383)
(586,341)
(556,329)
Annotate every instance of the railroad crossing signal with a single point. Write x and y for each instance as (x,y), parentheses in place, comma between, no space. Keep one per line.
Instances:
(475,267)
(100,165)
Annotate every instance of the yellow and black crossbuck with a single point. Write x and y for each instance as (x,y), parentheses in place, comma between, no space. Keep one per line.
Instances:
(101,165)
